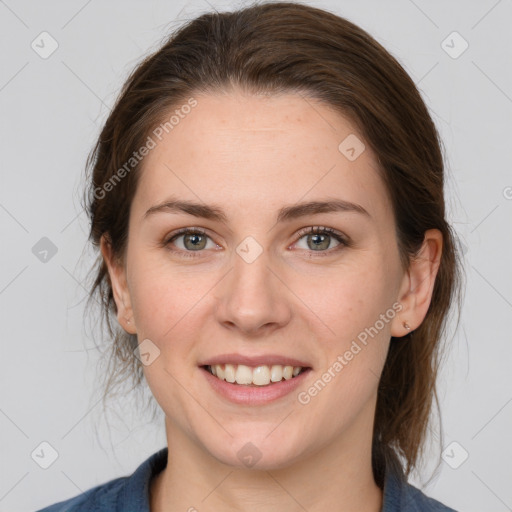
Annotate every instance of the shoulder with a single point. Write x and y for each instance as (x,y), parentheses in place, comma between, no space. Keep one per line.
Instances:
(100,498)
(120,494)
(401,496)
(416,501)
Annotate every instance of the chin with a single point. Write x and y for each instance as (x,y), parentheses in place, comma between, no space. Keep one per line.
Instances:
(259,452)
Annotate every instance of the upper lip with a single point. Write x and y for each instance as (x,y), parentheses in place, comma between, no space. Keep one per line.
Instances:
(263,359)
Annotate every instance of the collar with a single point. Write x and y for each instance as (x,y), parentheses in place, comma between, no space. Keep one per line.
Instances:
(398,494)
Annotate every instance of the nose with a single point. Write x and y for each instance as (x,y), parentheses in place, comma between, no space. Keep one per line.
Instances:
(252,298)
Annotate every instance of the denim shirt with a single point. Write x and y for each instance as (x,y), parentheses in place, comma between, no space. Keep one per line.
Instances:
(131,493)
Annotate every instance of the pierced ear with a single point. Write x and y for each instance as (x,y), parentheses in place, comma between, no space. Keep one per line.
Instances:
(418,284)
(120,290)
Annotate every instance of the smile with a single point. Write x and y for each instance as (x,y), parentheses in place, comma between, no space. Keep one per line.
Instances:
(261,375)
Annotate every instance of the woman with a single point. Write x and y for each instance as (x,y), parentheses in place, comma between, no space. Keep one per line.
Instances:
(267,197)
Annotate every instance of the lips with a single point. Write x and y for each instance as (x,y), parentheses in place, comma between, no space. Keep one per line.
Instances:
(254,380)
(254,361)
(254,395)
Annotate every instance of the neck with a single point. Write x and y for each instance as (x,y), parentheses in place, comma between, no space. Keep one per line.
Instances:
(337,477)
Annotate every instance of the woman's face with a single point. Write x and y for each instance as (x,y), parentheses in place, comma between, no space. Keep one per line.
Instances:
(256,284)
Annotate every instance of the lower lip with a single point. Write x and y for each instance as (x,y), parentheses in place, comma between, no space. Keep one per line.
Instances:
(254,395)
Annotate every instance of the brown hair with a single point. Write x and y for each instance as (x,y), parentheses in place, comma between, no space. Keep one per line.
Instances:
(283,47)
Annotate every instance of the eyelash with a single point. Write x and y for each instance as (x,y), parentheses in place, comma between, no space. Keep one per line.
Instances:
(344,242)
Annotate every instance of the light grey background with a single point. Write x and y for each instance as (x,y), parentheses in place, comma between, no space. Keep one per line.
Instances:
(51,112)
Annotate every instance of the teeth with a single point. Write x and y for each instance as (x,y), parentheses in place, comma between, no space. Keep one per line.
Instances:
(229,373)
(243,375)
(259,376)
(218,371)
(276,373)
(288,372)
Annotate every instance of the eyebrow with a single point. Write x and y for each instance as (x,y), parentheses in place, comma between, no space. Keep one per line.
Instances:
(287,213)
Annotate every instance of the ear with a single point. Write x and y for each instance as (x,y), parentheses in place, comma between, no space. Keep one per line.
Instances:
(120,290)
(418,284)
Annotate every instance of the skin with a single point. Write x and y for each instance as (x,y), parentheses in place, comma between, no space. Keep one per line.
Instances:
(251,155)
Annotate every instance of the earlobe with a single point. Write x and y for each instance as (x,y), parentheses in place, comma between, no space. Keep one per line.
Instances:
(418,285)
(120,290)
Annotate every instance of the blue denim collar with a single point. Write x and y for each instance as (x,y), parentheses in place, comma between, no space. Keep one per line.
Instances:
(398,494)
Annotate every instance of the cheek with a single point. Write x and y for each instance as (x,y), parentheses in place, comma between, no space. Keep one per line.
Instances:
(165,309)
(346,299)
(353,315)
(352,362)
(170,308)
(163,298)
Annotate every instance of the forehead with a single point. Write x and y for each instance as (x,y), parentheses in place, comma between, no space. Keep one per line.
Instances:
(239,149)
